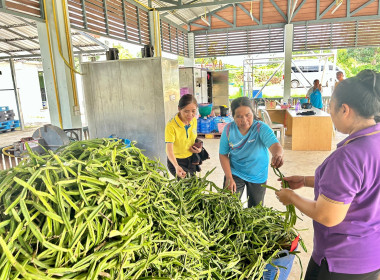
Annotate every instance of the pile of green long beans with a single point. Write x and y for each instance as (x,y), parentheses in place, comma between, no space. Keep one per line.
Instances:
(98,210)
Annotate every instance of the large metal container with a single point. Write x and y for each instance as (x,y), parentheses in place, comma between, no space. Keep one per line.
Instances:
(133,99)
(219,84)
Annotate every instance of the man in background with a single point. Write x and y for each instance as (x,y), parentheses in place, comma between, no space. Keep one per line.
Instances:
(339,77)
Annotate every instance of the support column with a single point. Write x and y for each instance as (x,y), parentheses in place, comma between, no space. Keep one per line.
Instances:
(59,78)
(288,48)
(155,32)
(190,61)
(17,94)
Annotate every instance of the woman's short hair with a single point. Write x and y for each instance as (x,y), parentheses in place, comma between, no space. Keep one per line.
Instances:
(242,101)
(362,93)
(186,100)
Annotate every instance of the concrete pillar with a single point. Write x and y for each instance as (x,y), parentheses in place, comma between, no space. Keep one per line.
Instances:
(60,80)
(155,32)
(288,48)
(190,61)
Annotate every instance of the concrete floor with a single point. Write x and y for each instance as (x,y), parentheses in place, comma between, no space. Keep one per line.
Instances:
(296,163)
(8,138)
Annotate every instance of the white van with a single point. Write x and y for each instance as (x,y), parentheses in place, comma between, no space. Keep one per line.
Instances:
(312,70)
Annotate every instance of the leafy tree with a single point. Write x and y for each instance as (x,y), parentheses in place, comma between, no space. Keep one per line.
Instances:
(123,53)
(355,60)
(181,60)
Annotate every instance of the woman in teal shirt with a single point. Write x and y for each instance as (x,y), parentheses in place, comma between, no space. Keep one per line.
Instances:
(315,95)
(243,152)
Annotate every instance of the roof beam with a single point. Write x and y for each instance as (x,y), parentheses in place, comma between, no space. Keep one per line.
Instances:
(18,39)
(241,28)
(327,9)
(8,53)
(200,4)
(234,7)
(362,6)
(19,47)
(210,13)
(199,25)
(298,9)
(248,13)
(170,2)
(297,23)
(14,25)
(39,56)
(93,39)
(24,37)
(175,25)
(174,15)
(279,10)
(223,19)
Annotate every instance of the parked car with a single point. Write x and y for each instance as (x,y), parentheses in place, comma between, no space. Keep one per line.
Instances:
(304,72)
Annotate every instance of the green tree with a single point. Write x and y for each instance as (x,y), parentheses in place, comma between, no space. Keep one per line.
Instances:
(123,53)
(355,60)
(181,60)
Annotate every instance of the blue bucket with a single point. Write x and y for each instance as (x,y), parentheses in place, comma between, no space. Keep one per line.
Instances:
(285,261)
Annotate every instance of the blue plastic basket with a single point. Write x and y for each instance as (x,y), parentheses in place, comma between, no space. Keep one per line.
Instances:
(127,142)
(285,261)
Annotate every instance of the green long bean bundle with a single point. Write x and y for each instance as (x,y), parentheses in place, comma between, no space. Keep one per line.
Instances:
(290,215)
(98,210)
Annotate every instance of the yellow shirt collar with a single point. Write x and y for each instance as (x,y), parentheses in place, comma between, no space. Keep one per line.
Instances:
(179,122)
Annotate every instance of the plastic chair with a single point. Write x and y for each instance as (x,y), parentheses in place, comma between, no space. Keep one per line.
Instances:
(273,126)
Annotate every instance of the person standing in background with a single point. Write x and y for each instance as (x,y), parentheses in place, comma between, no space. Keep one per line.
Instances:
(315,95)
(339,77)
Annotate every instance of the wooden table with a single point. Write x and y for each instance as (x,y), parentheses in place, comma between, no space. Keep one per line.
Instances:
(309,133)
(277,115)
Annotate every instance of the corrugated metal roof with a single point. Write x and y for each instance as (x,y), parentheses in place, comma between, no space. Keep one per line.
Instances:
(19,38)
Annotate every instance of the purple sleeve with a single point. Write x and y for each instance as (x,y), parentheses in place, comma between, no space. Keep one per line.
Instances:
(339,180)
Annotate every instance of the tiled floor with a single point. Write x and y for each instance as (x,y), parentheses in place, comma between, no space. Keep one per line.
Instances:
(296,163)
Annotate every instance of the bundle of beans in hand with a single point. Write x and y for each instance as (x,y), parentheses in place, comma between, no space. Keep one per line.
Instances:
(98,210)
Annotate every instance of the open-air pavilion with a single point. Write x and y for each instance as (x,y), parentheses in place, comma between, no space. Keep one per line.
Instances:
(191,29)
(57,30)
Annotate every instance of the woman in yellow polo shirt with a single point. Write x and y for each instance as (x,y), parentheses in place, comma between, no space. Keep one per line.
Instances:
(180,135)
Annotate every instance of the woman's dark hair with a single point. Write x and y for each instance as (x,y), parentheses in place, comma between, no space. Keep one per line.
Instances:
(242,101)
(186,100)
(362,93)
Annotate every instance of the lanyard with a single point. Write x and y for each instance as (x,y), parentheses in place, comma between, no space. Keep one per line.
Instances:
(364,135)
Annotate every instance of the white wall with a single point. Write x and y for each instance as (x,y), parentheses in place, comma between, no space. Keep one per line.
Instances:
(29,89)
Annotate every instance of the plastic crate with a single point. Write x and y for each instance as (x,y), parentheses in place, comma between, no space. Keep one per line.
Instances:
(286,261)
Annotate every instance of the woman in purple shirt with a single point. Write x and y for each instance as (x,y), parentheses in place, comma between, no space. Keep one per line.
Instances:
(346,206)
